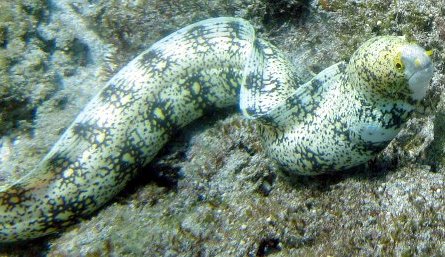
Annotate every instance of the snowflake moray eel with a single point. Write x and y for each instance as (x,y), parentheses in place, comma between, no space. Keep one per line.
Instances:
(340,118)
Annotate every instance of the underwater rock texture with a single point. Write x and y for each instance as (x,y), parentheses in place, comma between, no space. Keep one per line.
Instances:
(213,192)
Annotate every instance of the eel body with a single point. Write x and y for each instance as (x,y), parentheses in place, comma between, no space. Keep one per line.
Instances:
(340,118)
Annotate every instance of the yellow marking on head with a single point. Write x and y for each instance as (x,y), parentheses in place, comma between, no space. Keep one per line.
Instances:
(429,53)
(417,62)
(398,60)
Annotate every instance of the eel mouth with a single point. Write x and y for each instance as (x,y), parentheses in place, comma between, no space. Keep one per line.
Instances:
(420,80)
(418,70)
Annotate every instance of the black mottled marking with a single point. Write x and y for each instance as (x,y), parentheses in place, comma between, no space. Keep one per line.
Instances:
(108,92)
(113,93)
(233,78)
(398,117)
(106,171)
(343,131)
(152,54)
(60,161)
(316,85)
(253,80)
(251,111)
(77,206)
(237,28)
(166,123)
(197,32)
(78,171)
(90,132)
(15,196)
(127,169)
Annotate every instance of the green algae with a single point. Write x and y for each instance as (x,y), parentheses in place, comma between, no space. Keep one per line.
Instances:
(22,64)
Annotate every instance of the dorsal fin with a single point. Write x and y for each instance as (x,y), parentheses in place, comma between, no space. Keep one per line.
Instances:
(304,100)
(269,79)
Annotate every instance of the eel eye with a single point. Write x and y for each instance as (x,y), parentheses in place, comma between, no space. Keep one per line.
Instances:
(399,65)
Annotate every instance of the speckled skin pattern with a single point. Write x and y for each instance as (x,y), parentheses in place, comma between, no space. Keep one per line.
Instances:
(325,124)
(348,113)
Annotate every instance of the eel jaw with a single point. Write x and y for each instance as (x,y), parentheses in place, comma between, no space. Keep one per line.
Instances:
(418,70)
(419,82)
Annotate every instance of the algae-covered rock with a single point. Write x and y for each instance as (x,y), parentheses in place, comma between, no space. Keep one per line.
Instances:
(213,191)
(23,58)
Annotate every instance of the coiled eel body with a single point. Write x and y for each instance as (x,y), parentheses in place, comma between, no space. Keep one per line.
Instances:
(340,118)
